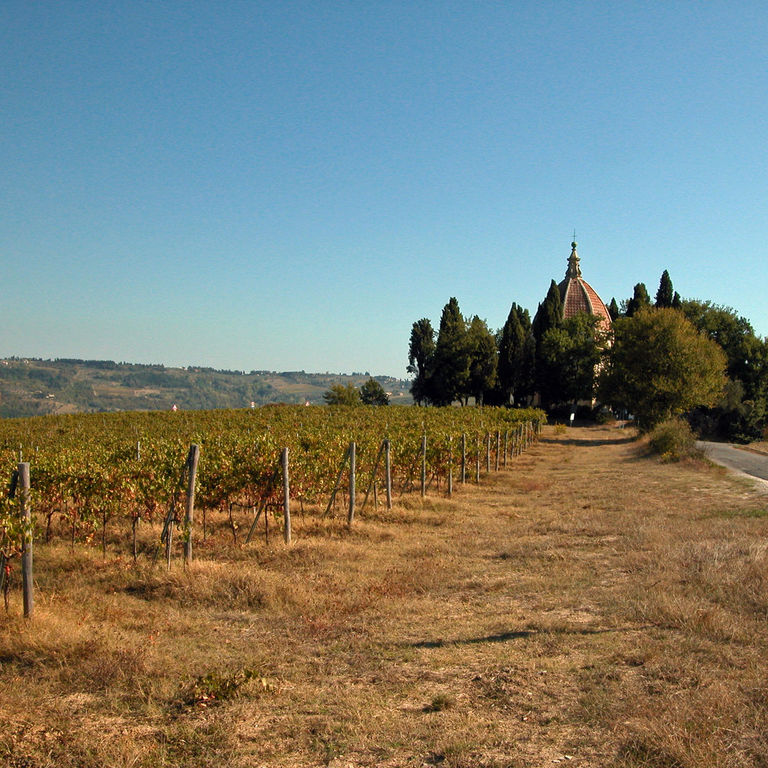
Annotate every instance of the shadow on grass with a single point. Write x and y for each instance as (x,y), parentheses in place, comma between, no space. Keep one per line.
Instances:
(503,637)
(586,442)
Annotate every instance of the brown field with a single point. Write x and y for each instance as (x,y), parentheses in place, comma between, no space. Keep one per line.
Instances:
(589,606)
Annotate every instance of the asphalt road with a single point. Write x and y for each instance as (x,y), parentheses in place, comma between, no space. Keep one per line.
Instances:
(738,459)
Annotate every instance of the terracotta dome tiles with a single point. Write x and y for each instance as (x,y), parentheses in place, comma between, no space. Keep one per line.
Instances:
(578,295)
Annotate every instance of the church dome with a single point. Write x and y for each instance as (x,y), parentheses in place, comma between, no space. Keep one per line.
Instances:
(579,296)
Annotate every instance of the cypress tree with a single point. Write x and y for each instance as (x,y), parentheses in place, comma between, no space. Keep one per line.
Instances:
(515,355)
(613,309)
(451,370)
(421,358)
(665,294)
(548,316)
(640,299)
(550,312)
(483,363)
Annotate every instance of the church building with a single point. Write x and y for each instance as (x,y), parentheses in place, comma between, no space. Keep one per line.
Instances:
(579,296)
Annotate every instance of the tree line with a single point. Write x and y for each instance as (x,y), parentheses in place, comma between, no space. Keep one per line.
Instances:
(662,357)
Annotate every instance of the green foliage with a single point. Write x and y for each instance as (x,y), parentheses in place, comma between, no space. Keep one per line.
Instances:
(550,312)
(741,415)
(339,394)
(665,294)
(481,346)
(613,309)
(674,440)
(660,366)
(215,687)
(372,393)
(421,359)
(640,299)
(440,703)
(450,375)
(516,356)
(548,316)
(745,352)
(571,355)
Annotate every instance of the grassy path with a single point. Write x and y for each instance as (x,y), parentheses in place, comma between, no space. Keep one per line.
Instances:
(589,607)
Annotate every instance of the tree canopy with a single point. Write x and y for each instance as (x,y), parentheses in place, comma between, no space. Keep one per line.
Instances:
(481,347)
(668,357)
(572,354)
(516,356)
(450,374)
(640,299)
(339,394)
(665,295)
(661,366)
(421,354)
(372,393)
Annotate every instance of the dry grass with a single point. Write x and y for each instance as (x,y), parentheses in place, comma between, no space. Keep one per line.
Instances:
(591,606)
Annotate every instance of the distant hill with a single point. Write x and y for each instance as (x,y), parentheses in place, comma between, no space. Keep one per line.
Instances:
(32,387)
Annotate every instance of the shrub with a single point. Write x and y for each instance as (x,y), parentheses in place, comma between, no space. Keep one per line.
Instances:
(674,440)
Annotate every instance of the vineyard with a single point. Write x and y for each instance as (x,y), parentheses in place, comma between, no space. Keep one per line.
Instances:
(90,474)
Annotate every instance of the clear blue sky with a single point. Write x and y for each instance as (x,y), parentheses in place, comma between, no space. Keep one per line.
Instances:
(290,185)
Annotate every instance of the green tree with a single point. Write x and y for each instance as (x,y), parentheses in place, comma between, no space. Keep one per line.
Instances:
(549,315)
(450,374)
(339,394)
(421,359)
(372,393)
(742,418)
(481,347)
(743,349)
(572,354)
(613,309)
(640,299)
(665,294)
(516,356)
(661,366)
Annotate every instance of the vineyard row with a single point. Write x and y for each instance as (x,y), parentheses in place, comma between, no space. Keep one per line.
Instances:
(84,472)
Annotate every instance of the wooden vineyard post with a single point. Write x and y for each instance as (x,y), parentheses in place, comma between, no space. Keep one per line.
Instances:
(498,448)
(506,446)
(372,483)
(286,499)
(388,470)
(423,466)
(477,460)
(338,482)
(352,452)
(192,460)
(26,542)
(168,545)
(487,452)
(463,458)
(450,466)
